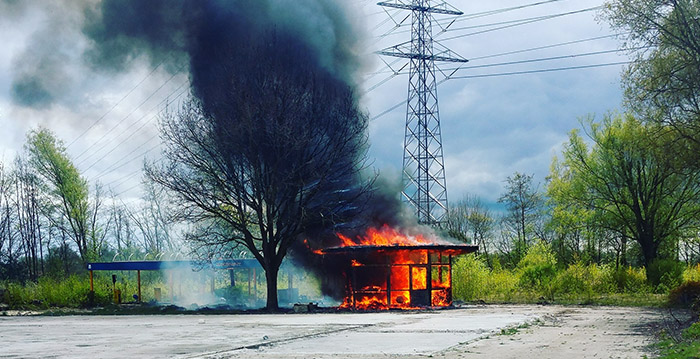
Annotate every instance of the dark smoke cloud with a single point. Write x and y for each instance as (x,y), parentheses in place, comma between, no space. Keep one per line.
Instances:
(46,66)
(121,31)
(170,33)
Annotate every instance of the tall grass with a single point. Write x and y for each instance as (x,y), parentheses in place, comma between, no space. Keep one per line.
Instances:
(537,278)
(49,292)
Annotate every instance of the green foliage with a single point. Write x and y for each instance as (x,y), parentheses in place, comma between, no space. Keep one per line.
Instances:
(71,292)
(537,277)
(665,274)
(687,348)
(539,266)
(663,82)
(692,273)
(69,190)
(631,280)
(586,280)
(627,182)
(471,283)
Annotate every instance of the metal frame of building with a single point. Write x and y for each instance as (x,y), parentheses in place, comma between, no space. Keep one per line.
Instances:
(138,266)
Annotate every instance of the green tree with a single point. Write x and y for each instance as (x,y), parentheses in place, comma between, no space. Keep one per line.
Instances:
(67,188)
(630,182)
(663,81)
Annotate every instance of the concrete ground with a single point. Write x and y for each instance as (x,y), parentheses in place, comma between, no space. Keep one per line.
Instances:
(469,332)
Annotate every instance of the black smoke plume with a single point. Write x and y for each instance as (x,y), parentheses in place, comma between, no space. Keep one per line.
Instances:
(178,35)
(205,39)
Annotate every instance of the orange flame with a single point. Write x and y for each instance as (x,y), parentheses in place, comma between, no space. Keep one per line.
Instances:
(316,251)
(385,236)
(405,277)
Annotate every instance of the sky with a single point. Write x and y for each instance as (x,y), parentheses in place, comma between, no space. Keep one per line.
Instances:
(492,126)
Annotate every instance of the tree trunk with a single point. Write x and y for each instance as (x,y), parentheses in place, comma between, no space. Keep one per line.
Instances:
(271,279)
(649,250)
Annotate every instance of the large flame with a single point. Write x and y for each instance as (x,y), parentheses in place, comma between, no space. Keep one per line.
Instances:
(386,236)
(413,275)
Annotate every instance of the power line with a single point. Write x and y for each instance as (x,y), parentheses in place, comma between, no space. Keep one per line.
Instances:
(127,177)
(543,47)
(540,71)
(507,74)
(551,58)
(108,132)
(483,14)
(518,62)
(122,142)
(533,20)
(117,103)
(115,136)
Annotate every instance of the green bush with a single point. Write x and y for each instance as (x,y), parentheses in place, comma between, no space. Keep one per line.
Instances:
(473,280)
(631,280)
(665,274)
(538,268)
(470,277)
(71,292)
(502,285)
(692,273)
(587,280)
(687,347)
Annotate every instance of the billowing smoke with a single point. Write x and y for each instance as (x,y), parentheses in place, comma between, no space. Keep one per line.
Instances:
(205,39)
(173,34)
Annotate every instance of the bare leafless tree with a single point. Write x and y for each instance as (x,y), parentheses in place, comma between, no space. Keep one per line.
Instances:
(471,221)
(275,150)
(153,220)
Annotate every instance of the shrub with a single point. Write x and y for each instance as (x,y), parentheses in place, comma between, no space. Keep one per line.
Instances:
(470,277)
(685,294)
(692,273)
(501,285)
(49,292)
(665,274)
(538,267)
(630,280)
(581,279)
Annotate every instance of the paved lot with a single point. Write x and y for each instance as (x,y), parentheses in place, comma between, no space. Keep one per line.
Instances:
(444,333)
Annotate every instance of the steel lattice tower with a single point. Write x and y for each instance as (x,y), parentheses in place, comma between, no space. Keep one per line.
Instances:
(424,186)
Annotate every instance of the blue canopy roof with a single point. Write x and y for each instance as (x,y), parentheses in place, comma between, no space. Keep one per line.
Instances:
(181,264)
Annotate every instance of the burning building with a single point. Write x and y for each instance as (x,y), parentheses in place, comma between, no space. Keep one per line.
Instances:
(385,269)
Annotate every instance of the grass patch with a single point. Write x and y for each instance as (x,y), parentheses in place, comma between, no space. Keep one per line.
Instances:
(688,347)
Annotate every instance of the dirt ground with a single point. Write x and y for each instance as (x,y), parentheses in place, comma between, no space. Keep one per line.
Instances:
(489,331)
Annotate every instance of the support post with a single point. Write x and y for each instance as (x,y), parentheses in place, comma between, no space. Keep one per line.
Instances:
(248,282)
(172,287)
(213,281)
(255,284)
(138,284)
(92,286)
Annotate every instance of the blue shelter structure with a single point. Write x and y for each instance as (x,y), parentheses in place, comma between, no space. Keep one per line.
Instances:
(138,266)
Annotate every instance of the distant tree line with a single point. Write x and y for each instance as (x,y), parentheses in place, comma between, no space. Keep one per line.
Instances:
(273,154)
(627,191)
(52,222)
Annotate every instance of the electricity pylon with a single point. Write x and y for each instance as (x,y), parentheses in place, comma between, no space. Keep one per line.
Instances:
(424,186)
